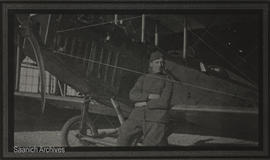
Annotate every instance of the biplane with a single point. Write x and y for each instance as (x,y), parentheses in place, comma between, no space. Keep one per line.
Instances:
(101,56)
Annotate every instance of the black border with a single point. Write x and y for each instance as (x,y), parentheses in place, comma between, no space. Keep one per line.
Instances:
(11,87)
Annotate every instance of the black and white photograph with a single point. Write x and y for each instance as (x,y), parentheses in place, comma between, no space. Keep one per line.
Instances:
(145,82)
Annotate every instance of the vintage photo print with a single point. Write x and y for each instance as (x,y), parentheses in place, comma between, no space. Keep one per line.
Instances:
(135,80)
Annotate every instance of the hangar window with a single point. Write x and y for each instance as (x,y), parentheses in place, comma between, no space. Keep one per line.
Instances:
(29,80)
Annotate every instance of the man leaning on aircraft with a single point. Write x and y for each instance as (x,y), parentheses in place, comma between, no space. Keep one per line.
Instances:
(151,95)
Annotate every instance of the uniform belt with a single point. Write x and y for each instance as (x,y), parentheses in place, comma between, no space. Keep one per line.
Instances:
(140,104)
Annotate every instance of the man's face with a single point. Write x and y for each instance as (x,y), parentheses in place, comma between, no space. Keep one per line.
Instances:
(156,65)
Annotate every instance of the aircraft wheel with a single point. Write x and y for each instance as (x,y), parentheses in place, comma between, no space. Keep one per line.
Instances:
(71,136)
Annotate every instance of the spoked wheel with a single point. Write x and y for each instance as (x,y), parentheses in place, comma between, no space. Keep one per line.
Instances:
(71,135)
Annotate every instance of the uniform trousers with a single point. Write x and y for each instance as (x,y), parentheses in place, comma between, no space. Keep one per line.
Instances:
(153,133)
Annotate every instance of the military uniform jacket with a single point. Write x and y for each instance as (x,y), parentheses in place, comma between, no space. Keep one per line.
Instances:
(156,109)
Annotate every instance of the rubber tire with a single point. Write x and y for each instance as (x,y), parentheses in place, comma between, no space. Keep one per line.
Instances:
(65,129)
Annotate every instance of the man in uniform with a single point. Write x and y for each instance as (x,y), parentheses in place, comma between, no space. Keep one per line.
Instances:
(151,95)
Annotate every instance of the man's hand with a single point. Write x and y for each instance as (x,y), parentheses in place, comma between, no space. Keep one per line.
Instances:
(153,96)
(140,104)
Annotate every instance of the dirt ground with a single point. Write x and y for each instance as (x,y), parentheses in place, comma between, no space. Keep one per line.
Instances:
(53,138)
(45,130)
(31,128)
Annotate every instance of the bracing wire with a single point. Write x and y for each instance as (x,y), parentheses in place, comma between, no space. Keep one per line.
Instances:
(94,25)
(217,53)
(142,73)
(220,41)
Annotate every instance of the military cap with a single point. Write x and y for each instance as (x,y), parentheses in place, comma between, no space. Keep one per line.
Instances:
(155,55)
